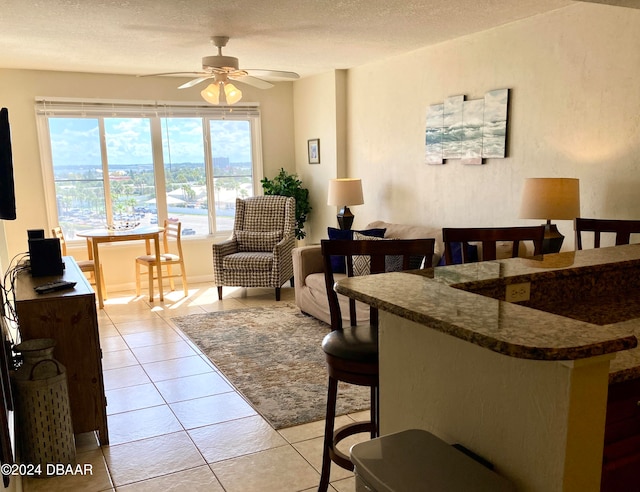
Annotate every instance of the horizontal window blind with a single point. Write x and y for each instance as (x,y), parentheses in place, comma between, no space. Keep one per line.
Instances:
(116,108)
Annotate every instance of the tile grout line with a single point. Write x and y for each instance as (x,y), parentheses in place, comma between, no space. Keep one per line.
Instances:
(244,303)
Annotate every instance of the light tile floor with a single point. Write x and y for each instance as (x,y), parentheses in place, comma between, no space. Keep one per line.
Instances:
(175,423)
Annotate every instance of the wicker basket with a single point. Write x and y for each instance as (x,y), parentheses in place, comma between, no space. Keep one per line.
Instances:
(44,428)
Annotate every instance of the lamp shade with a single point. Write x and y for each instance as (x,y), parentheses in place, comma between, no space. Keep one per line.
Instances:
(550,198)
(345,192)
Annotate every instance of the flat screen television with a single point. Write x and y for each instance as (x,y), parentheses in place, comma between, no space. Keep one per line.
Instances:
(7,189)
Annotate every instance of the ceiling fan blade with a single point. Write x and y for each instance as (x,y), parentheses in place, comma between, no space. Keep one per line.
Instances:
(253,81)
(193,82)
(171,73)
(273,73)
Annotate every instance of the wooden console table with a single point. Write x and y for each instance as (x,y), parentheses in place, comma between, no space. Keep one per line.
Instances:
(69,317)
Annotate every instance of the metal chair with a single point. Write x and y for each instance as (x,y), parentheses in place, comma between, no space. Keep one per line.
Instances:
(86,266)
(171,255)
(352,352)
(621,228)
(489,237)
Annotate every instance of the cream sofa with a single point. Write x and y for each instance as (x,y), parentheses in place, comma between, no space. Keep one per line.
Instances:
(308,272)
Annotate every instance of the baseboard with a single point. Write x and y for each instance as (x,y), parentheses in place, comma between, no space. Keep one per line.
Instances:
(124,286)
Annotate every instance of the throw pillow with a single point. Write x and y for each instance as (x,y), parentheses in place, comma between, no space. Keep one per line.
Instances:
(362,263)
(456,254)
(392,263)
(257,241)
(338,264)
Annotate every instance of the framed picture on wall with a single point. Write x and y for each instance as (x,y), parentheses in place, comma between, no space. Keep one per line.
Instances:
(313,147)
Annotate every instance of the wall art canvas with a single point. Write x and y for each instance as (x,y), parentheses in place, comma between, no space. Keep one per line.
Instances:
(467,130)
(495,123)
(433,137)
(452,135)
(472,130)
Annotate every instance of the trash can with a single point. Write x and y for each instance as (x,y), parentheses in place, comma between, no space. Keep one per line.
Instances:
(417,461)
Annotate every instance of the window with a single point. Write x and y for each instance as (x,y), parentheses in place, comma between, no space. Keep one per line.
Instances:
(123,163)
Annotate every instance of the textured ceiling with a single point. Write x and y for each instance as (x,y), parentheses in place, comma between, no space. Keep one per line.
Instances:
(305,36)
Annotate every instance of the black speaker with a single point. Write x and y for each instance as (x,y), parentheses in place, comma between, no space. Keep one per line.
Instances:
(35,234)
(46,257)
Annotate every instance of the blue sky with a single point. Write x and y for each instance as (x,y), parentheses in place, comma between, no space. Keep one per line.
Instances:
(76,141)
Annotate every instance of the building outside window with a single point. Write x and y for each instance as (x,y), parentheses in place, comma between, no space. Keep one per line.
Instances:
(123,163)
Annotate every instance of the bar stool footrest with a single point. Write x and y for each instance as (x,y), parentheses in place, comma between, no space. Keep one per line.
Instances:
(337,456)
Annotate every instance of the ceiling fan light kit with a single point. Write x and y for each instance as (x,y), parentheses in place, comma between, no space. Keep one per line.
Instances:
(221,86)
(211,93)
(232,93)
(223,68)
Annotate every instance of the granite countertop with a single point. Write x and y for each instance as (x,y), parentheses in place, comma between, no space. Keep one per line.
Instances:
(445,299)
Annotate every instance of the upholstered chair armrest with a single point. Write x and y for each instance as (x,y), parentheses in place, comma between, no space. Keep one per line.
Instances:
(220,250)
(282,258)
(283,248)
(226,247)
(285,245)
(286,241)
(306,260)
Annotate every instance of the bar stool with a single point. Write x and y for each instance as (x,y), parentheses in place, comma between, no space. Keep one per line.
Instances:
(352,352)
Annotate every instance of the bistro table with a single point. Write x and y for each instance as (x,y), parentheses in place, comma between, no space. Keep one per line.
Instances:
(96,236)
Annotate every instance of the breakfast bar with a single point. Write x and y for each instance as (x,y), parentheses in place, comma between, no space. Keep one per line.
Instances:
(530,384)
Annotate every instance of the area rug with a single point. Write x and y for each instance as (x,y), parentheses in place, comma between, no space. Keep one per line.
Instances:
(273,356)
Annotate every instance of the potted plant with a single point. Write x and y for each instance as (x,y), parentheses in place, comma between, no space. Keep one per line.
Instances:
(286,184)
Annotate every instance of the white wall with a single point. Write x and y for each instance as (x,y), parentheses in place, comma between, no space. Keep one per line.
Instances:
(574,112)
(18,89)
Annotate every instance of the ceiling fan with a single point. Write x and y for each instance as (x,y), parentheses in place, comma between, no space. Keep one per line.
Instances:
(222,69)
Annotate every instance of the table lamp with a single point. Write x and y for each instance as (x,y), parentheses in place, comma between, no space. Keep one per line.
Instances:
(551,198)
(342,193)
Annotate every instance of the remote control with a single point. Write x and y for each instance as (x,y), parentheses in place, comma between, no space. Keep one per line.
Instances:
(54,286)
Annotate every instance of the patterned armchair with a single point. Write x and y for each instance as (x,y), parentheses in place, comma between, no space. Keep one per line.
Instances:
(258,254)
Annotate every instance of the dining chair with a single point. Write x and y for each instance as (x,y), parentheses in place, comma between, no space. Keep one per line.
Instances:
(621,228)
(489,237)
(170,256)
(86,266)
(351,352)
